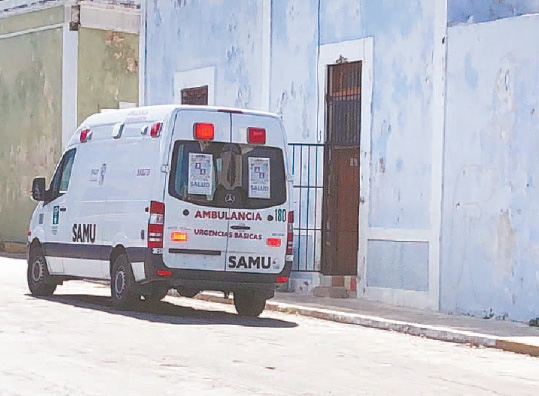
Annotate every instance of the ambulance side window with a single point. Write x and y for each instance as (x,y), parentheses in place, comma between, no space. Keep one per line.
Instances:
(60,181)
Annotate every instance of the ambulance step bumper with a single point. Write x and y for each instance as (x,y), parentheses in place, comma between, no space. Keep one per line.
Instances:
(208,280)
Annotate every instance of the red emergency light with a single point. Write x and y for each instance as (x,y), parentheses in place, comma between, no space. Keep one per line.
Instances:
(256,136)
(155,130)
(85,135)
(203,131)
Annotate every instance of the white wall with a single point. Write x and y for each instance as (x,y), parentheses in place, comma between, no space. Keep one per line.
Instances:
(491,182)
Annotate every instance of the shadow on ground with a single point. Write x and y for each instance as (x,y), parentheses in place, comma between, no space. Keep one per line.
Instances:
(165,312)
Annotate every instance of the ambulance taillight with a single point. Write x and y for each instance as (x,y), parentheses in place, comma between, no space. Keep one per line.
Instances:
(203,131)
(290,236)
(156,224)
(256,136)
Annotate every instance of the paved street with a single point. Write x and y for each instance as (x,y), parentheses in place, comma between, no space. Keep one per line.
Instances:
(74,343)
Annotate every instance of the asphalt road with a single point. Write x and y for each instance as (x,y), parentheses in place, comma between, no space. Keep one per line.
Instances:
(74,343)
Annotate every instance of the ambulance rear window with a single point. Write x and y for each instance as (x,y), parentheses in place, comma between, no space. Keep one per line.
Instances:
(227,174)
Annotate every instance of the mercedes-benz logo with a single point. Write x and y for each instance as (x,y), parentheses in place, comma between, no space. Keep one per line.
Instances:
(230,199)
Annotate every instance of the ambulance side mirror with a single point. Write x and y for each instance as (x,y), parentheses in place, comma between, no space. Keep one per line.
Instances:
(39,191)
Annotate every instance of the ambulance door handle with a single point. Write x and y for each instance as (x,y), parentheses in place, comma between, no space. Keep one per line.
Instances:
(63,209)
(241,228)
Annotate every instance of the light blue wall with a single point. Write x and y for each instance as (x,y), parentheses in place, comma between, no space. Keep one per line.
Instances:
(228,35)
(490,232)
(412,271)
(187,35)
(402,93)
(474,11)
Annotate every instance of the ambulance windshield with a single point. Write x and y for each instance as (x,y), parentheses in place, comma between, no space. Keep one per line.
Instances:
(228,174)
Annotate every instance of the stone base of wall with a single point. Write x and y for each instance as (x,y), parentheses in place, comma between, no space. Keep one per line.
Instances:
(12,247)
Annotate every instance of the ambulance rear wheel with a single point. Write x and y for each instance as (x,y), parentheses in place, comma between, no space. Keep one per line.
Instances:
(122,284)
(39,280)
(249,303)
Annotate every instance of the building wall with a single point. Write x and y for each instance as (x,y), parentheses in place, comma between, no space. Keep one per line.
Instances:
(474,11)
(490,234)
(107,70)
(232,39)
(52,77)
(191,35)
(30,111)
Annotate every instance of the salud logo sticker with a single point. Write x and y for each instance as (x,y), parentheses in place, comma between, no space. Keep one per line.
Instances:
(55,214)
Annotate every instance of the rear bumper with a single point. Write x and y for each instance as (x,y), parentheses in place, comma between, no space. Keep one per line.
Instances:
(209,280)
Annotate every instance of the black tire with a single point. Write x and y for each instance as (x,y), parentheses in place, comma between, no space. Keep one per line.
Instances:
(122,284)
(249,303)
(157,293)
(187,292)
(40,282)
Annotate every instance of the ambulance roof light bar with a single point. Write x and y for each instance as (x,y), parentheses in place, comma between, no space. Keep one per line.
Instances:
(203,131)
(256,136)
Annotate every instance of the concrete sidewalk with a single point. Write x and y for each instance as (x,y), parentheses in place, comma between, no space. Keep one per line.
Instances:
(501,334)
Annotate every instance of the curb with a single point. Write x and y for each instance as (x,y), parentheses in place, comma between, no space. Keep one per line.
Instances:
(431,332)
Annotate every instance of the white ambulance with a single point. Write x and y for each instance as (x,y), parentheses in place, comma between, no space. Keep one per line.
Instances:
(153,198)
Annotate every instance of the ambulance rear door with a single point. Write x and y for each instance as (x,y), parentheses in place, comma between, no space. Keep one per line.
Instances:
(258,224)
(196,226)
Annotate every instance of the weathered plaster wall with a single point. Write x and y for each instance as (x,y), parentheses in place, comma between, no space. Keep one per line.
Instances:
(474,11)
(30,113)
(229,36)
(107,70)
(230,39)
(294,39)
(402,93)
(187,35)
(402,111)
(491,188)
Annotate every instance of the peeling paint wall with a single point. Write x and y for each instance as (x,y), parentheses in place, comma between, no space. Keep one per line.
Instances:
(402,124)
(231,41)
(490,243)
(186,35)
(228,36)
(474,11)
(30,113)
(107,70)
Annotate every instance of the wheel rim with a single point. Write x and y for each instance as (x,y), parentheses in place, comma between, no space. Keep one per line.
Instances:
(119,282)
(37,270)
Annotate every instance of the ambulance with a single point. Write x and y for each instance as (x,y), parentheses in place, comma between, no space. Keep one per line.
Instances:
(155,198)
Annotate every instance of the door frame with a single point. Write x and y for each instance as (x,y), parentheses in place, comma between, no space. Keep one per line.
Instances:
(352,50)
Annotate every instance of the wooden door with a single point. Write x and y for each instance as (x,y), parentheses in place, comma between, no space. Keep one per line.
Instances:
(340,215)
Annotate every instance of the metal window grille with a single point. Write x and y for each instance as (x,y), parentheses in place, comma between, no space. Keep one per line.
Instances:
(307,169)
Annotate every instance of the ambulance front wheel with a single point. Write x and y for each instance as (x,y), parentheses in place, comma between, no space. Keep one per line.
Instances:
(40,281)
(122,284)
(249,302)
